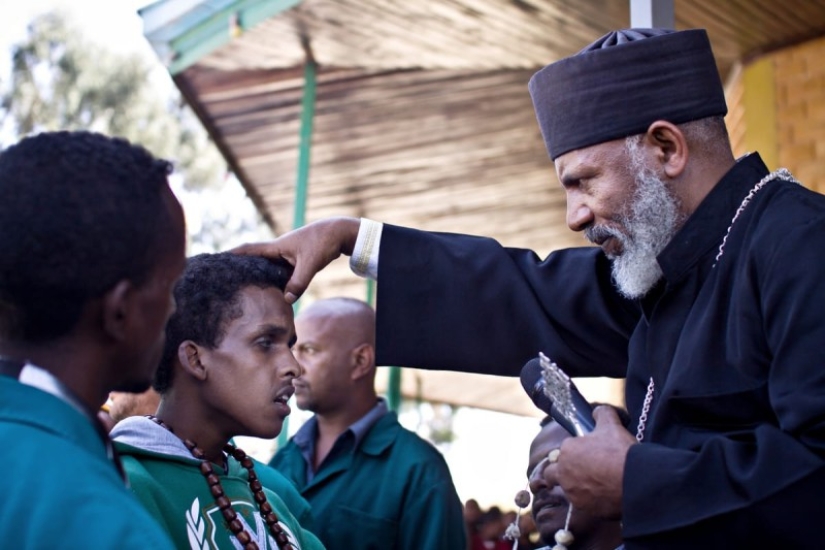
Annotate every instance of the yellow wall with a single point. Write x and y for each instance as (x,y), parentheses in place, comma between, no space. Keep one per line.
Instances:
(777,107)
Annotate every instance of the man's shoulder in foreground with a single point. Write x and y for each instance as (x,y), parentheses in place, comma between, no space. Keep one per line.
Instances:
(51,449)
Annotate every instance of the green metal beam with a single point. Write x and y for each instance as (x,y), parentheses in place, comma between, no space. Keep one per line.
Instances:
(186,58)
(305,145)
(394,389)
(302,182)
(215,31)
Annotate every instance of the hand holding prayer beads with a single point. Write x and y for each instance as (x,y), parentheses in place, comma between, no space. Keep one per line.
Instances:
(590,469)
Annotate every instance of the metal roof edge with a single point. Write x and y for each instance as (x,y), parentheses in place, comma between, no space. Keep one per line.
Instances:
(255,196)
(184,31)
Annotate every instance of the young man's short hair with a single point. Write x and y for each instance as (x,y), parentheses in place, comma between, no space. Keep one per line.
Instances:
(207,297)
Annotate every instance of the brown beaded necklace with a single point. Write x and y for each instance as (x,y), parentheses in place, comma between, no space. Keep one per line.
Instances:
(223,502)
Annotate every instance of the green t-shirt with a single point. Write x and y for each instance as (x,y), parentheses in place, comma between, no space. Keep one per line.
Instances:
(175,492)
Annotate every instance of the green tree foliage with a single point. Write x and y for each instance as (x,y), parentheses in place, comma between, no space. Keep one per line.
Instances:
(62,81)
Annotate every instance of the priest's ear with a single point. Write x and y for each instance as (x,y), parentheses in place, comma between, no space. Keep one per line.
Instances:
(670,145)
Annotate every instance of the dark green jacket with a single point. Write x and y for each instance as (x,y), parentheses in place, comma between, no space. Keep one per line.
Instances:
(393,492)
(278,483)
(59,489)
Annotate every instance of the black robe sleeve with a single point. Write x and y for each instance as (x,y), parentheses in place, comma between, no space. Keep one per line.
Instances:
(462,303)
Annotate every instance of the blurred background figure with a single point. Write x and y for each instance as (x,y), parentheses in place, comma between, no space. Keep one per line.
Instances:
(489,531)
(123,405)
(472,513)
(529,538)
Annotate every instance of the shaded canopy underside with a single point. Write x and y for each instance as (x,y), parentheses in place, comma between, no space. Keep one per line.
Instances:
(422,115)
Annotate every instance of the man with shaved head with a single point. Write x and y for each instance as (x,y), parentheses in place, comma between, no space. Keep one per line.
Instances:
(371,482)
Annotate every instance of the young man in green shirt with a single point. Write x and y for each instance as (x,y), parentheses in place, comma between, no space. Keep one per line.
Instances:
(226,371)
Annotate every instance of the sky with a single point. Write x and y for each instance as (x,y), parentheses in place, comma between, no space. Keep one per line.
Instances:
(117,25)
(114,24)
(111,22)
(489,457)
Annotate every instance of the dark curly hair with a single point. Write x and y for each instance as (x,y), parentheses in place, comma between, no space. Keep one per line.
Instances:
(207,298)
(79,212)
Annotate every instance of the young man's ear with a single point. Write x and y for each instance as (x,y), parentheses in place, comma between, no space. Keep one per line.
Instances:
(670,147)
(363,361)
(118,310)
(189,357)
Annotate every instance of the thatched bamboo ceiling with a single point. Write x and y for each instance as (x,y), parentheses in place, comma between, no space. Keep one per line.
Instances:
(423,116)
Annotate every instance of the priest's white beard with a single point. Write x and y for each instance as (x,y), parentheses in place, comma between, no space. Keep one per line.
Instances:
(650,221)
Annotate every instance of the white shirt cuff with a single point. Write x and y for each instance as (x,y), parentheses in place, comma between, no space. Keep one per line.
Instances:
(364,259)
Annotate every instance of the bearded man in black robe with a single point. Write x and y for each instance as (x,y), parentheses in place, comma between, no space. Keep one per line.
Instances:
(706,291)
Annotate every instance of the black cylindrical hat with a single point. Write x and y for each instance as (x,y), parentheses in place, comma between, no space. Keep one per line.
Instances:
(620,84)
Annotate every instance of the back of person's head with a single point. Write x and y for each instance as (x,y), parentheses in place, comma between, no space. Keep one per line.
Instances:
(80,212)
(354,319)
(339,306)
(491,524)
(207,299)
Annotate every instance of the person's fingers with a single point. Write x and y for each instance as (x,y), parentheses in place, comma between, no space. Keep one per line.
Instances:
(252,249)
(308,249)
(606,415)
(298,283)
